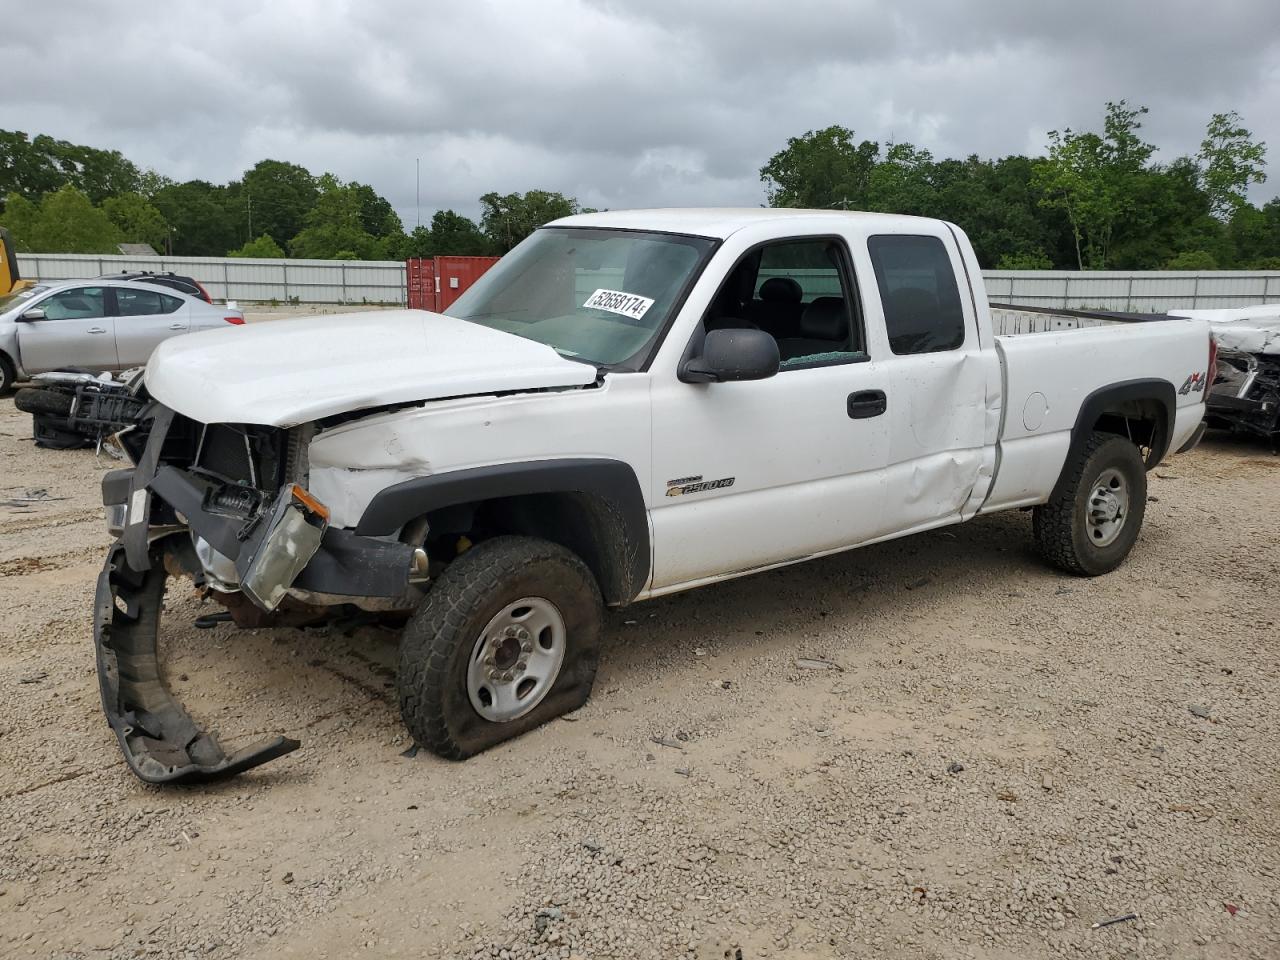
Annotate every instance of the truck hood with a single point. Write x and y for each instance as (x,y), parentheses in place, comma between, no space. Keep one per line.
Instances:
(1246,329)
(286,372)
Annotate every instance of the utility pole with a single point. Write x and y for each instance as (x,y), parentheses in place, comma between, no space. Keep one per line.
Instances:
(417,189)
(249,202)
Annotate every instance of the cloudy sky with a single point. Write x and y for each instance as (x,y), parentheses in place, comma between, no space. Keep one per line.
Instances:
(617,102)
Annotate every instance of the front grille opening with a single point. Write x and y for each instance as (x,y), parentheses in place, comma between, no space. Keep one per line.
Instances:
(251,456)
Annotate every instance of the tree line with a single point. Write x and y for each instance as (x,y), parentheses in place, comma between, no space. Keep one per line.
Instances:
(61,197)
(1094,200)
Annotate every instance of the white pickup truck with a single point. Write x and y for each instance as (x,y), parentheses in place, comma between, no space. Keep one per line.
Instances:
(627,405)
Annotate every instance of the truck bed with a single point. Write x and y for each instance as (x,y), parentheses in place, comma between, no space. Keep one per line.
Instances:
(1013,319)
(1048,377)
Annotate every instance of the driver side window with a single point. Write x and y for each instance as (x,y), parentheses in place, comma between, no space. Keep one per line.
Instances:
(799,292)
(81,303)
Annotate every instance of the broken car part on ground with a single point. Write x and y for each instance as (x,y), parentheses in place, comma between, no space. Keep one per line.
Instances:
(72,408)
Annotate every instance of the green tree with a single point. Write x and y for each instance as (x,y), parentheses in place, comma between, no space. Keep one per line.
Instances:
(63,222)
(26,171)
(137,220)
(1025,261)
(39,165)
(334,227)
(822,169)
(1193,260)
(1091,178)
(454,234)
(197,212)
(377,216)
(508,219)
(903,182)
(274,197)
(20,217)
(263,248)
(1229,162)
(1255,234)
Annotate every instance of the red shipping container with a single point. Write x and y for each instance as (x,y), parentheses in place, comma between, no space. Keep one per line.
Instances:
(435,282)
(420,278)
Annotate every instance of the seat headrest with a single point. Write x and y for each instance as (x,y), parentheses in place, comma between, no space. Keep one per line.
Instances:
(825,319)
(780,290)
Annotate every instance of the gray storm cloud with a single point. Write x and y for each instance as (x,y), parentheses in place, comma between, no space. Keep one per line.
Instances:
(621,104)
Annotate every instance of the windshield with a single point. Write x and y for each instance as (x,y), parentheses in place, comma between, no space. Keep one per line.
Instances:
(601,296)
(11,300)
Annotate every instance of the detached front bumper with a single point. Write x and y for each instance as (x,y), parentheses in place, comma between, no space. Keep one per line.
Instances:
(159,740)
(274,545)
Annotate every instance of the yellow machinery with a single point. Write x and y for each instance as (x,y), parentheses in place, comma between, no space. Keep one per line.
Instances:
(10,281)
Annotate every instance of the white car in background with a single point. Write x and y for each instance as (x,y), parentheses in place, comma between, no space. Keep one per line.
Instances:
(96,324)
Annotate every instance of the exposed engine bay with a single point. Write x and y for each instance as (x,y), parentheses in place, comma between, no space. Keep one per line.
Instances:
(224,505)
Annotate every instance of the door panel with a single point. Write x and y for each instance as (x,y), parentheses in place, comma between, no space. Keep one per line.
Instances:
(76,333)
(940,450)
(145,318)
(789,472)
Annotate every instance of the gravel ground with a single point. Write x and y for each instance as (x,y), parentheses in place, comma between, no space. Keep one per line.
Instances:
(935,748)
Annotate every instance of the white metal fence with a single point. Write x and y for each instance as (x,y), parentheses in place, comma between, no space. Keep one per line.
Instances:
(383,281)
(233,278)
(1150,291)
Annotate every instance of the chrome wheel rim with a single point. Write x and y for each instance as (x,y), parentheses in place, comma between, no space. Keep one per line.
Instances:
(1108,508)
(516,659)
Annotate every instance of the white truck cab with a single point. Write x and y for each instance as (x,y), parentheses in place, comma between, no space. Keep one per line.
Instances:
(628,404)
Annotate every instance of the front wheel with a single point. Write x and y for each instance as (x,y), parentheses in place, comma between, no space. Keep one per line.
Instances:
(8,375)
(1089,526)
(507,638)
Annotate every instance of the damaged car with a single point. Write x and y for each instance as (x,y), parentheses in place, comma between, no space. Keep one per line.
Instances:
(629,404)
(1244,396)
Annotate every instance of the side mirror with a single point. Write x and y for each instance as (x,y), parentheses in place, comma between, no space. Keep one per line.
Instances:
(30,316)
(733,355)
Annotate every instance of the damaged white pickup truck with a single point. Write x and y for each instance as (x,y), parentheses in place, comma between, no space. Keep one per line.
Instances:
(628,404)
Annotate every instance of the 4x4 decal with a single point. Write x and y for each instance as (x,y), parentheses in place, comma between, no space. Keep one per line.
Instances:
(1193,384)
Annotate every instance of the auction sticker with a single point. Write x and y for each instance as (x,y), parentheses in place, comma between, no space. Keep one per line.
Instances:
(615,301)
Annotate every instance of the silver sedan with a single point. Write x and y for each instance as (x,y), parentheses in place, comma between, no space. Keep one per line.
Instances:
(95,324)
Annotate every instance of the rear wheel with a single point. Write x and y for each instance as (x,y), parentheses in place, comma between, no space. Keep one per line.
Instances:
(507,638)
(1089,526)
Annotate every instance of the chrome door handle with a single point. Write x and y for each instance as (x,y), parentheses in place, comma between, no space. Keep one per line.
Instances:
(177,326)
(97,329)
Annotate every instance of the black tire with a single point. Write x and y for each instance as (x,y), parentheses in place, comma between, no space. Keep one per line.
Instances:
(439,639)
(8,374)
(39,400)
(1062,529)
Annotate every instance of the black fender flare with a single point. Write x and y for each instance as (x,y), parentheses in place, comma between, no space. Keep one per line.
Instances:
(611,483)
(1114,395)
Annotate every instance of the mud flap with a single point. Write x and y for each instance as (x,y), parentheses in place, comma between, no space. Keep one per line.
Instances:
(160,741)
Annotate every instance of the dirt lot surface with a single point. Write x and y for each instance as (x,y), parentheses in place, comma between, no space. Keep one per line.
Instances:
(980,758)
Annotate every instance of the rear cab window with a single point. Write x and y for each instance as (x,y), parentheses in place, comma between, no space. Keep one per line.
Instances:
(923,312)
